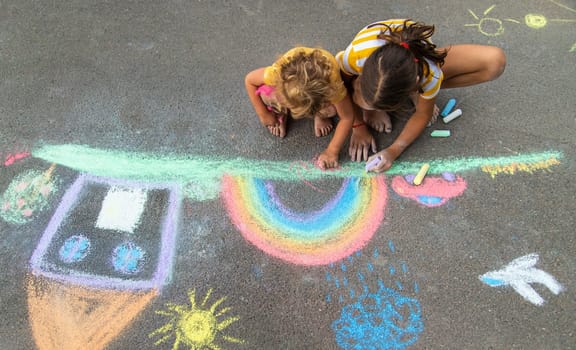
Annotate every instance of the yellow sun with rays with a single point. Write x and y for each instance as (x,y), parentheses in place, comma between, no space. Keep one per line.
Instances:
(196,326)
(489,26)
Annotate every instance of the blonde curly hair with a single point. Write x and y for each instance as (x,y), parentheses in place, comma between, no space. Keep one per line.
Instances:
(304,83)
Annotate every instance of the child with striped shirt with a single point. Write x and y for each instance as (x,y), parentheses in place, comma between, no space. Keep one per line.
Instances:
(393,66)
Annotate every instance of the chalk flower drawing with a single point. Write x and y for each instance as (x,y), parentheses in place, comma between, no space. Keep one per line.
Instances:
(196,326)
(27,195)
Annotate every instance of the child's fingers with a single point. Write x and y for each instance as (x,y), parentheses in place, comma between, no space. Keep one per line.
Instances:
(364,153)
(330,165)
(384,165)
(381,166)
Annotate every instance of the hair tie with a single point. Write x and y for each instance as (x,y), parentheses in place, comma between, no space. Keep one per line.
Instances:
(407,47)
(265,90)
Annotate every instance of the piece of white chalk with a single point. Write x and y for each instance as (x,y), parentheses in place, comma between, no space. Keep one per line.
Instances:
(450,117)
(420,176)
(373,163)
(448,107)
(440,133)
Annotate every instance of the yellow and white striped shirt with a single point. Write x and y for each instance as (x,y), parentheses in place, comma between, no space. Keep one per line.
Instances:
(351,60)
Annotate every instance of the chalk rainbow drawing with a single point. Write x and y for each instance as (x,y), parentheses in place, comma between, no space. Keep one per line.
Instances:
(344,225)
(198,326)
(80,297)
(386,318)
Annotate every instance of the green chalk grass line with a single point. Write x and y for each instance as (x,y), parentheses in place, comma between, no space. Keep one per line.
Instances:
(151,167)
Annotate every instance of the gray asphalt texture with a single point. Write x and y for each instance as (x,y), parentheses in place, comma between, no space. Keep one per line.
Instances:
(166,78)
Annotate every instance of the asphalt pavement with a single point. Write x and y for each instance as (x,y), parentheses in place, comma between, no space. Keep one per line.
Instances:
(143,206)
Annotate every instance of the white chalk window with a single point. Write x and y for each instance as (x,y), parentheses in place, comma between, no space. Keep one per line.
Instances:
(122,209)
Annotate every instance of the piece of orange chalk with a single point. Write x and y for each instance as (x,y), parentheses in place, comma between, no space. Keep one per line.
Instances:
(420,176)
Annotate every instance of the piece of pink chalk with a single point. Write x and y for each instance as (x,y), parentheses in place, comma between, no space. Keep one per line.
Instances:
(11,158)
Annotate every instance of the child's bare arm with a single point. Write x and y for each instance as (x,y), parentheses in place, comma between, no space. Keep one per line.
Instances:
(329,157)
(252,81)
(412,130)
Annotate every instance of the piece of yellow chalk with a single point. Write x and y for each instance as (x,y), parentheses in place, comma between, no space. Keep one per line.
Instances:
(420,176)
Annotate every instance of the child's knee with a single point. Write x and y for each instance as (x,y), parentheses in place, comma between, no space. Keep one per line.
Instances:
(497,64)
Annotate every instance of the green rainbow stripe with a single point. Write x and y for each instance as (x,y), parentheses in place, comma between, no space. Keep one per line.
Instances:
(343,226)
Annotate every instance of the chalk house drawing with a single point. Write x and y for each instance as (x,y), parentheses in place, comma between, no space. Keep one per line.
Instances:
(90,275)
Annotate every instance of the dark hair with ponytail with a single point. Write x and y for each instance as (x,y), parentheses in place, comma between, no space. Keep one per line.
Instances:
(390,72)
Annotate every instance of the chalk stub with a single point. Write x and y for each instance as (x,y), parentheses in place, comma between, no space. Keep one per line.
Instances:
(450,117)
(373,163)
(440,133)
(448,107)
(421,173)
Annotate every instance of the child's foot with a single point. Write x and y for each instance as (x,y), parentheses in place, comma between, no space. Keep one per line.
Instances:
(322,126)
(378,120)
(279,129)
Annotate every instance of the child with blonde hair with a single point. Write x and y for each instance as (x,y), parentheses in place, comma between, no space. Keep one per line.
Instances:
(394,67)
(304,82)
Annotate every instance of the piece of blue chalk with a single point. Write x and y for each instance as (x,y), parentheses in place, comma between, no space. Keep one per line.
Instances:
(448,107)
(373,163)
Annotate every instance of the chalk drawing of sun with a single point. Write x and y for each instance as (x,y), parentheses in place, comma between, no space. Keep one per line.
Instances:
(490,26)
(196,327)
(487,25)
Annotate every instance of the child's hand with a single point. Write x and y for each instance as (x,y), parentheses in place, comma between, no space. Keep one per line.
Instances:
(361,143)
(268,119)
(387,158)
(327,160)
